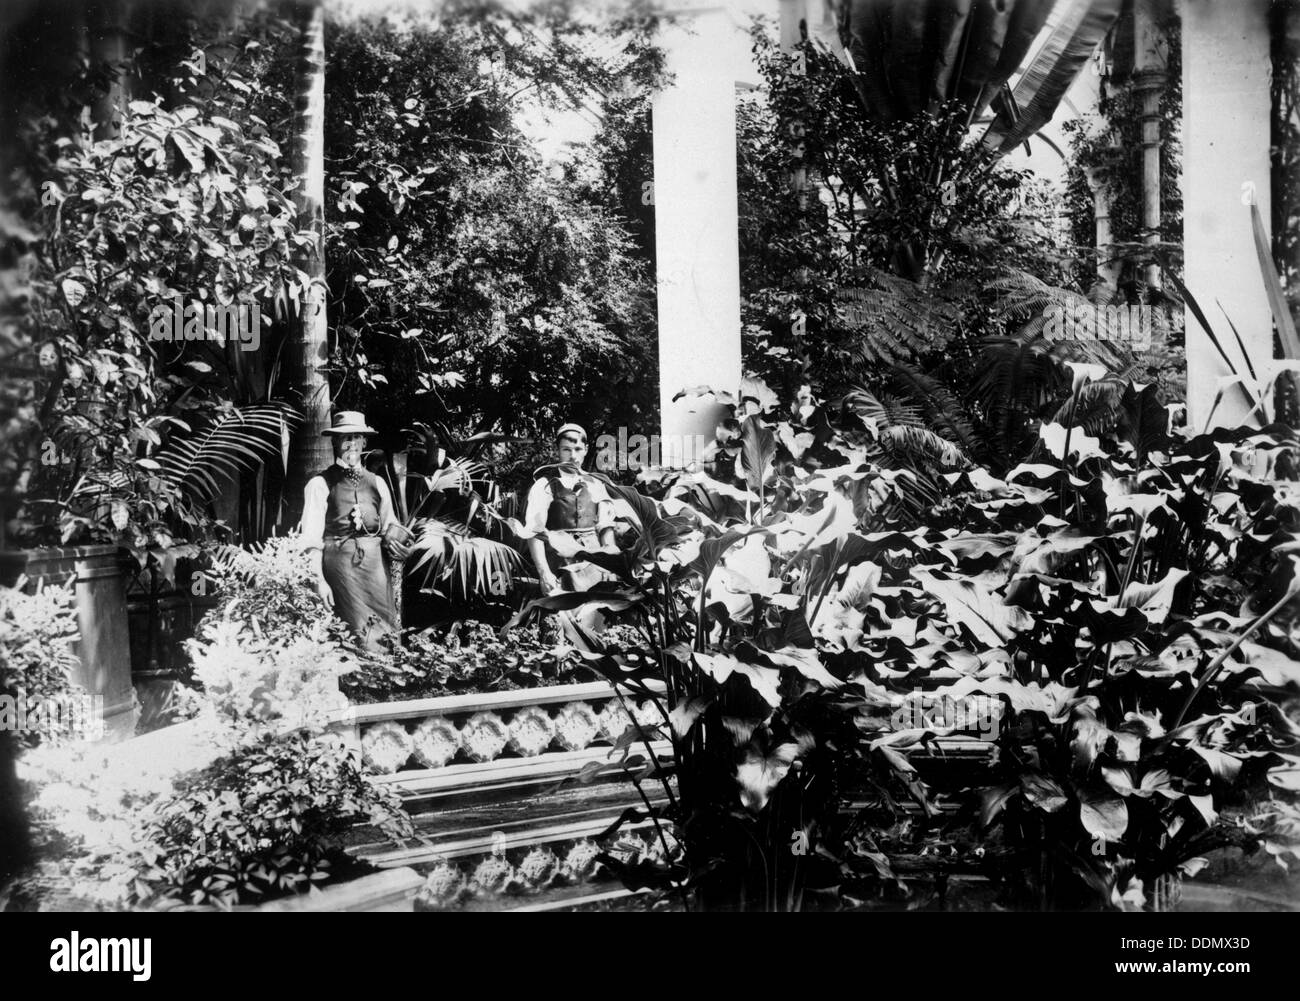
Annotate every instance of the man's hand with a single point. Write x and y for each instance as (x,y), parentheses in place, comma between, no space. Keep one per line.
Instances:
(397,541)
(323,589)
(549,582)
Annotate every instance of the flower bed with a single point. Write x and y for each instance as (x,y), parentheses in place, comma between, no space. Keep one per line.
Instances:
(467,657)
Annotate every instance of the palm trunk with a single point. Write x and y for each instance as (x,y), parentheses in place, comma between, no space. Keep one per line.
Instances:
(308,346)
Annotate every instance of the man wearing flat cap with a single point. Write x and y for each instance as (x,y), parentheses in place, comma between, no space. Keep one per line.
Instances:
(566,502)
(347,525)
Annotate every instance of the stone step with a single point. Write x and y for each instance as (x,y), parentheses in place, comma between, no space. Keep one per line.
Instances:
(469,830)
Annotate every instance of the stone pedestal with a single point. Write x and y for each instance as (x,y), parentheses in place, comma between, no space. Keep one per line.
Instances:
(104,646)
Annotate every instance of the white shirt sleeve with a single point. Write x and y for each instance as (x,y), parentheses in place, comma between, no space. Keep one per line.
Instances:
(604,505)
(386,517)
(539,506)
(315,499)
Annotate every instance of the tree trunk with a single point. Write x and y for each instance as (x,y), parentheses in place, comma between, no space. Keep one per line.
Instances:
(307,349)
(106,24)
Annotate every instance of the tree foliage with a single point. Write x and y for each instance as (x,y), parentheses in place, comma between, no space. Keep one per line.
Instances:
(468,284)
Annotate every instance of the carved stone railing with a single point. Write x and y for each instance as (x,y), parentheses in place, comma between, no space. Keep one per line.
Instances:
(412,739)
(492,782)
(502,791)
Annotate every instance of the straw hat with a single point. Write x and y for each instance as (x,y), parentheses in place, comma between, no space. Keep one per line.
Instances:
(349,422)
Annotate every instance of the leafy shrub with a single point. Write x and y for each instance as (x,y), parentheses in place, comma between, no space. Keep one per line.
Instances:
(36,659)
(256,683)
(85,807)
(268,589)
(184,205)
(498,271)
(260,822)
(264,819)
(471,657)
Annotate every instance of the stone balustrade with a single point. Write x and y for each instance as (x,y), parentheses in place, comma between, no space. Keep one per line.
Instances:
(435,733)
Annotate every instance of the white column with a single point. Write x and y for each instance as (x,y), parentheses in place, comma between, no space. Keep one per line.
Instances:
(696,228)
(1225,147)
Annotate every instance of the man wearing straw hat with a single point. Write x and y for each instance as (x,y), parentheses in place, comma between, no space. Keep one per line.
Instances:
(347,525)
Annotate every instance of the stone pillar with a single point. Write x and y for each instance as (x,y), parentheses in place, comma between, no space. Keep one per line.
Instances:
(793,13)
(1149,83)
(1108,264)
(1225,162)
(696,224)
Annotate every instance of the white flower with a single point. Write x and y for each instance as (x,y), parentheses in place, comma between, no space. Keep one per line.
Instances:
(386,746)
(531,731)
(576,726)
(484,736)
(436,742)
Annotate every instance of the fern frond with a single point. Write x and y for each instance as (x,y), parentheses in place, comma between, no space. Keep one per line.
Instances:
(898,321)
(943,411)
(1020,298)
(882,409)
(924,447)
(1098,407)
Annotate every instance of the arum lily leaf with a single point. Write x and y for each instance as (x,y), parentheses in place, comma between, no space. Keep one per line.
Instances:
(989,619)
(1104,815)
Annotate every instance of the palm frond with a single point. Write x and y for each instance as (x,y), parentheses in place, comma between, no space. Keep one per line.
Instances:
(238,441)
(450,553)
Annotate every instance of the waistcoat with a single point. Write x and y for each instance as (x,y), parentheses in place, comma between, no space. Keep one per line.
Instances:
(570,510)
(343,496)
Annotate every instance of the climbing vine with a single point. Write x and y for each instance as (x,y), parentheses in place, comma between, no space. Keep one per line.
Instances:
(1115,150)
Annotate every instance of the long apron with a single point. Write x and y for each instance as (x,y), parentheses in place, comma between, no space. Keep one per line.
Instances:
(581,577)
(354,569)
